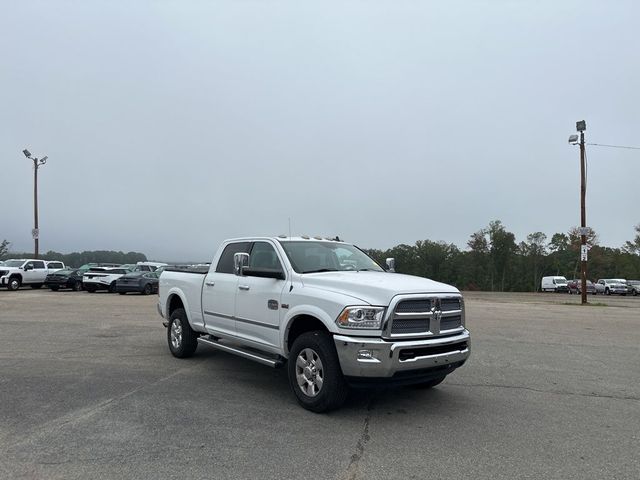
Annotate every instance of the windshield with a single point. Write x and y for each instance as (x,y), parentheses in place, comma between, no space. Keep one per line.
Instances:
(13,263)
(312,257)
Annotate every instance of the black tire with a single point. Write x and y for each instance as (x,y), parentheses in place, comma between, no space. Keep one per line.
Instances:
(147,289)
(77,287)
(54,288)
(333,391)
(14,283)
(36,286)
(186,340)
(122,293)
(90,288)
(429,383)
(112,287)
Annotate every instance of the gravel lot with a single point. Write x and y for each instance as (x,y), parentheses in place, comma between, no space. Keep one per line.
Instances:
(88,389)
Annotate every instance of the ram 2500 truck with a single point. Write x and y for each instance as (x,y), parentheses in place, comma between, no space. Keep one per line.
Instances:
(324,309)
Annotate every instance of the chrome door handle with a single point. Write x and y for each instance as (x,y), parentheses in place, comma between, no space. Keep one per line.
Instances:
(209,284)
(243,287)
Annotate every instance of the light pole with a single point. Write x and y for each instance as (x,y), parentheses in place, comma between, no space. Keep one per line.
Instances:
(581,126)
(37,163)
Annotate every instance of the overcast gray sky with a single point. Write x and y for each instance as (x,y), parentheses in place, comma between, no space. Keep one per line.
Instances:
(171,126)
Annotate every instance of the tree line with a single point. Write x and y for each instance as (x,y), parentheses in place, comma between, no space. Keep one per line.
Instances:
(77,259)
(494,261)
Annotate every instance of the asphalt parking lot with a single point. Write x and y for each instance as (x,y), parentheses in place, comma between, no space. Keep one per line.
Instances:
(88,389)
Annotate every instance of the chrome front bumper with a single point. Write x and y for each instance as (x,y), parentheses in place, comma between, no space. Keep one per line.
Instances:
(375,357)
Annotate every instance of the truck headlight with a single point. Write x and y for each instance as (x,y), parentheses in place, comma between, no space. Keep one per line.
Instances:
(361,317)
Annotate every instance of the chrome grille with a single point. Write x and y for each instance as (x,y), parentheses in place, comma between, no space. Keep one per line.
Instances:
(447,323)
(425,315)
(414,306)
(410,325)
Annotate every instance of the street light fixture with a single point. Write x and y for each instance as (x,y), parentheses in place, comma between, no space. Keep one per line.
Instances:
(37,162)
(581,126)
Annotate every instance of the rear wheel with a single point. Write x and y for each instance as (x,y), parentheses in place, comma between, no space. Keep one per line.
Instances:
(147,289)
(314,372)
(77,286)
(182,340)
(112,287)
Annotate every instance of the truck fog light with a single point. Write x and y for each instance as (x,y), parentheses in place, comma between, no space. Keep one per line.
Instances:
(366,355)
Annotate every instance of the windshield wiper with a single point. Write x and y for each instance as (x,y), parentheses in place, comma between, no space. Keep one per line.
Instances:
(321,270)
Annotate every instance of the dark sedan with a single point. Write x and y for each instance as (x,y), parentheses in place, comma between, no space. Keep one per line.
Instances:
(65,278)
(141,282)
(575,286)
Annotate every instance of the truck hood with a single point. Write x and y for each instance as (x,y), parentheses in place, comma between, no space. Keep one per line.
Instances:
(11,269)
(375,288)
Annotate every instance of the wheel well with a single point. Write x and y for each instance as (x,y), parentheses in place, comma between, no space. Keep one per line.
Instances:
(174,303)
(16,275)
(302,324)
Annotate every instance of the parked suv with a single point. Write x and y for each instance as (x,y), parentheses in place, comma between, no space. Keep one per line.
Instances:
(103,278)
(17,272)
(634,287)
(609,286)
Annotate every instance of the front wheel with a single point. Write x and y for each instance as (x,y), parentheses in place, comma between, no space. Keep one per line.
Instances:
(77,287)
(14,283)
(147,289)
(182,340)
(314,372)
(112,287)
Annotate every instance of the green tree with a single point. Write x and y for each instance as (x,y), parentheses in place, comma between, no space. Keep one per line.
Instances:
(634,245)
(4,248)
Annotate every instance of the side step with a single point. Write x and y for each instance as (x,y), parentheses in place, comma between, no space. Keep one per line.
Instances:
(263,358)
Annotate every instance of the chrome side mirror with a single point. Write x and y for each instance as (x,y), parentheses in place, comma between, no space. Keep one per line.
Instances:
(391,264)
(240,260)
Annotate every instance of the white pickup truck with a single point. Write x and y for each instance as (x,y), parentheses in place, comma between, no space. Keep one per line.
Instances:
(24,271)
(324,309)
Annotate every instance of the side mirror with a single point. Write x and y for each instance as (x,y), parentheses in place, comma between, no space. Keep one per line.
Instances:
(240,260)
(391,264)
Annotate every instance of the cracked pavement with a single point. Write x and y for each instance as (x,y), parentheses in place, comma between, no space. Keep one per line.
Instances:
(88,389)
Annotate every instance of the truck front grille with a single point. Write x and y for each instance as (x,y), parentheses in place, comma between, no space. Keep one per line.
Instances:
(428,315)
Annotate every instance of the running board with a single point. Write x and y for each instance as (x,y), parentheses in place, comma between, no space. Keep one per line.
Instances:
(271,361)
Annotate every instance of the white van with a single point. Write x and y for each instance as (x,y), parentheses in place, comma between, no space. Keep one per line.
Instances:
(554,284)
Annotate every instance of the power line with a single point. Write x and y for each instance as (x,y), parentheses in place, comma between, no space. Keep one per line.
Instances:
(613,146)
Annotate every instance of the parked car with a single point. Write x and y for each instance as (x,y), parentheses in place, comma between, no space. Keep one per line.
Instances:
(141,282)
(554,284)
(634,287)
(575,286)
(610,286)
(54,266)
(102,278)
(23,271)
(88,266)
(150,266)
(65,278)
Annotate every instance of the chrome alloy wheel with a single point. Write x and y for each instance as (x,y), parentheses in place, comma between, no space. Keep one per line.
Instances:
(309,372)
(176,334)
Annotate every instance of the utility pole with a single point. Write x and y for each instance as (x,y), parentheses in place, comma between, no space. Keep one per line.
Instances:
(37,163)
(581,126)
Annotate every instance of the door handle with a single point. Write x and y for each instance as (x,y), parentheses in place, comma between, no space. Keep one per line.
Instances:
(243,287)
(209,284)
